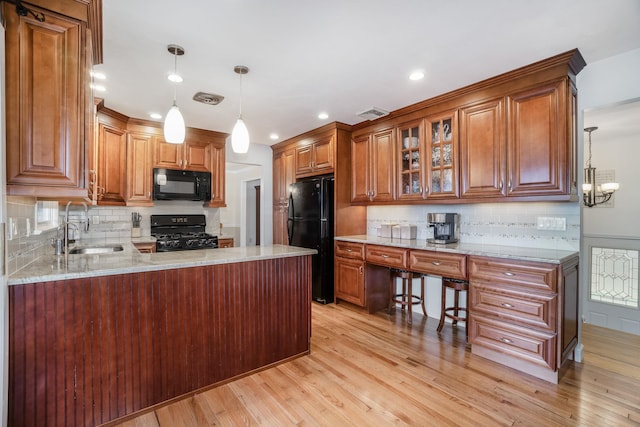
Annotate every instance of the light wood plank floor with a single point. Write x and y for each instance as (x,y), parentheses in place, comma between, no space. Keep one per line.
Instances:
(374,370)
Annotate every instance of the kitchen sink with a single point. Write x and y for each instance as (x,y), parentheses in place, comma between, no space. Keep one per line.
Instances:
(101,249)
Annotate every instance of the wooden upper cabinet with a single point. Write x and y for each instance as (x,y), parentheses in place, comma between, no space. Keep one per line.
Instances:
(218,172)
(191,155)
(537,142)
(483,150)
(47,81)
(410,157)
(139,171)
(372,167)
(441,157)
(283,176)
(316,157)
(111,157)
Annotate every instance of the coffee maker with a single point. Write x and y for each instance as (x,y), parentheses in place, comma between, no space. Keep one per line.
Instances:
(446,227)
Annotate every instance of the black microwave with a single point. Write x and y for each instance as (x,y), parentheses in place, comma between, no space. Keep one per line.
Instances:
(172,184)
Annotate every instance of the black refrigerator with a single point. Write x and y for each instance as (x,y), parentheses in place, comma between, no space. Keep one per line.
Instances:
(310,225)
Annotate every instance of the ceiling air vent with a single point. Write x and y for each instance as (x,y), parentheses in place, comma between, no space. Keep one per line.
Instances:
(208,98)
(372,113)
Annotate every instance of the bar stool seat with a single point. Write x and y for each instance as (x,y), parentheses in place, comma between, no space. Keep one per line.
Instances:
(406,298)
(454,312)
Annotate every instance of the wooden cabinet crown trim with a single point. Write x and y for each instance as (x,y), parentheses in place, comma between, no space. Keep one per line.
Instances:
(568,63)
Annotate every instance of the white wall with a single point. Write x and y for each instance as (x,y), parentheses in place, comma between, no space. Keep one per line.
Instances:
(260,155)
(602,85)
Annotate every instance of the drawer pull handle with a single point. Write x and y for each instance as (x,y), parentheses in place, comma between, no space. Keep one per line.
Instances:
(385,256)
(506,273)
(507,305)
(435,263)
(506,340)
(348,250)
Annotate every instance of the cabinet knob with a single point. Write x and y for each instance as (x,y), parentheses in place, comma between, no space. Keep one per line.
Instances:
(361,270)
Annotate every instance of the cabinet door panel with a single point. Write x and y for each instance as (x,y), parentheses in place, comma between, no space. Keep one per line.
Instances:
(349,280)
(111,164)
(218,176)
(304,157)
(323,155)
(382,167)
(482,150)
(167,155)
(537,142)
(360,186)
(197,156)
(139,171)
(45,105)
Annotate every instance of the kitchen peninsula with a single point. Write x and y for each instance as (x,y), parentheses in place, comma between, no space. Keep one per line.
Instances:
(95,338)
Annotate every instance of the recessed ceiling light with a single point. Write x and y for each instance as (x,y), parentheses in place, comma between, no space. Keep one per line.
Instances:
(98,75)
(416,75)
(274,136)
(176,78)
(156,116)
(323,116)
(99,88)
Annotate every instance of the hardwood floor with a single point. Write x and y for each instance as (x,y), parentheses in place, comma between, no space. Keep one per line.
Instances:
(374,370)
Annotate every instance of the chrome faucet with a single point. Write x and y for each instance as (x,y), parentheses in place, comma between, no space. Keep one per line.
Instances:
(67,223)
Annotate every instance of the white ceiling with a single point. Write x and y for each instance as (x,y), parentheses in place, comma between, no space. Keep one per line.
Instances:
(337,56)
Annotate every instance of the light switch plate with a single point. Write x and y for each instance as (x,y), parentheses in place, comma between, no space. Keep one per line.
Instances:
(552,223)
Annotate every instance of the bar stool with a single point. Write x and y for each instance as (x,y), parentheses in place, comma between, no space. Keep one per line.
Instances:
(459,313)
(406,298)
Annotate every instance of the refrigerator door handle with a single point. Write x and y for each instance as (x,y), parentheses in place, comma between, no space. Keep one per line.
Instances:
(290,229)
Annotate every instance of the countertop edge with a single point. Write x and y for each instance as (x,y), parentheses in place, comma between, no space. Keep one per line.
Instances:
(53,268)
(553,256)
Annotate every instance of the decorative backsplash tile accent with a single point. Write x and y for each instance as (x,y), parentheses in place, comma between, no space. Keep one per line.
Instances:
(509,224)
(112,222)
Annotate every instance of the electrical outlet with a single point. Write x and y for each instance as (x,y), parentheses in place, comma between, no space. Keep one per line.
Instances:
(552,223)
(95,219)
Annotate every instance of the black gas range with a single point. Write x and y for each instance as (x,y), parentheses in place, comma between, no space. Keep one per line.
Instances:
(181,232)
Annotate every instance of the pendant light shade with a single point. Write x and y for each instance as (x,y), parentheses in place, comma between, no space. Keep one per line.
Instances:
(174,127)
(240,133)
(240,137)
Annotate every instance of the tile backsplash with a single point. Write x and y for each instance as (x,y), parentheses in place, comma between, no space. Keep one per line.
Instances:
(105,222)
(509,224)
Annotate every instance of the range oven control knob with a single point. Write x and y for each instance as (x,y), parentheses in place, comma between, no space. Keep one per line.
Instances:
(174,244)
(191,243)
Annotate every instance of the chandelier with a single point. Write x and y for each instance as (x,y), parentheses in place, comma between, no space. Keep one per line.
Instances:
(593,194)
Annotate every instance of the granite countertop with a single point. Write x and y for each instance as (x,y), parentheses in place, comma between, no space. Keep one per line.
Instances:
(51,267)
(511,252)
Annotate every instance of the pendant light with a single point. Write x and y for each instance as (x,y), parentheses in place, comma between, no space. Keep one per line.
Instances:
(174,128)
(240,133)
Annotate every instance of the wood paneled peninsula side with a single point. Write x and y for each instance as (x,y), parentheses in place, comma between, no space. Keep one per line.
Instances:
(523,302)
(99,337)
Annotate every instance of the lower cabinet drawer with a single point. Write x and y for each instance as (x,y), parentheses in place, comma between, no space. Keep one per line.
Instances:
(386,256)
(521,306)
(439,264)
(530,346)
(349,250)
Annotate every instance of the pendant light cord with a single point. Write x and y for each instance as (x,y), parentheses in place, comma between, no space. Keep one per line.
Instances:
(589,158)
(240,96)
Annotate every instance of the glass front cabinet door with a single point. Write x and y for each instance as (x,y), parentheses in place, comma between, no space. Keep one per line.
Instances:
(442,155)
(411,168)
